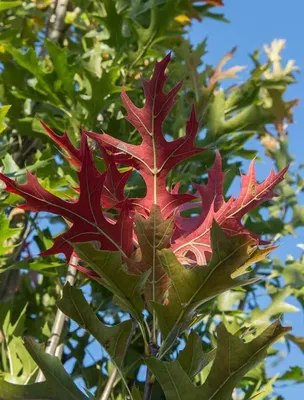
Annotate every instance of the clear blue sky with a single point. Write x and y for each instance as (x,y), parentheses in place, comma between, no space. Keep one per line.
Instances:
(252,24)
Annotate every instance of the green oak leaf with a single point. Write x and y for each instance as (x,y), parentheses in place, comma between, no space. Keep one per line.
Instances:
(261,318)
(64,71)
(31,63)
(234,358)
(6,233)
(153,233)
(299,341)
(41,391)
(294,373)
(136,393)
(6,5)
(192,287)
(112,338)
(192,358)
(58,380)
(126,287)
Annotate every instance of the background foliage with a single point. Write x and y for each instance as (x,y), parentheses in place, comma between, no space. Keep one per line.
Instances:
(64,63)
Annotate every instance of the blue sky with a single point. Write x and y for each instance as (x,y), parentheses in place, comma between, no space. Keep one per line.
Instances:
(254,23)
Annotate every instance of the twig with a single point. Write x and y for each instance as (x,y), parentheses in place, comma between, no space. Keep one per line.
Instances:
(10,279)
(148,385)
(109,386)
(153,350)
(59,320)
(58,16)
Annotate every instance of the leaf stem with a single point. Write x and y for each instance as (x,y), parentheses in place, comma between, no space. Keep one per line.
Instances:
(60,318)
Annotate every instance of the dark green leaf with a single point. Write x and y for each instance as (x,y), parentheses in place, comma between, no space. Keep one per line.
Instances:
(191,288)
(112,338)
(60,382)
(192,359)
(126,288)
(233,360)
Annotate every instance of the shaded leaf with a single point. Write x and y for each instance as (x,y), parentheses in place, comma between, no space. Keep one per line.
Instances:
(112,338)
(126,287)
(191,287)
(233,360)
(10,391)
(192,358)
(57,378)
(153,233)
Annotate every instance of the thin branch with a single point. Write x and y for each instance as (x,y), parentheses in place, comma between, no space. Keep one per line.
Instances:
(9,282)
(108,388)
(57,20)
(153,350)
(110,384)
(148,386)
(60,318)
(59,351)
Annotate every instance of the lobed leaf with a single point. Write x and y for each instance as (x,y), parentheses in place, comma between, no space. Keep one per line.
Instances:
(112,338)
(153,234)
(193,235)
(233,360)
(88,220)
(155,157)
(126,287)
(192,358)
(58,380)
(191,287)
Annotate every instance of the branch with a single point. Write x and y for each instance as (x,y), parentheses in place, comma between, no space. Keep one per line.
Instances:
(57,19)
(148,385)
(110,384)
(108,388)
(9,282)
(153,350)
(60,318)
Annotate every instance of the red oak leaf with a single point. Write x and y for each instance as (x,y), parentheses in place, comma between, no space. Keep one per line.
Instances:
(112,194)
(114,182)
(88,222)
(193,236)
(154,158)
(74,155)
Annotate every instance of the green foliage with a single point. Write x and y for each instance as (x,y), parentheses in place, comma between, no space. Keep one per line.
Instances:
(114,338)
(58,383)
(233,360)
(192,287)
(126,288)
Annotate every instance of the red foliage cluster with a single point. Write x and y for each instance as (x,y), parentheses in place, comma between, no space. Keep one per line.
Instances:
(154,158)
